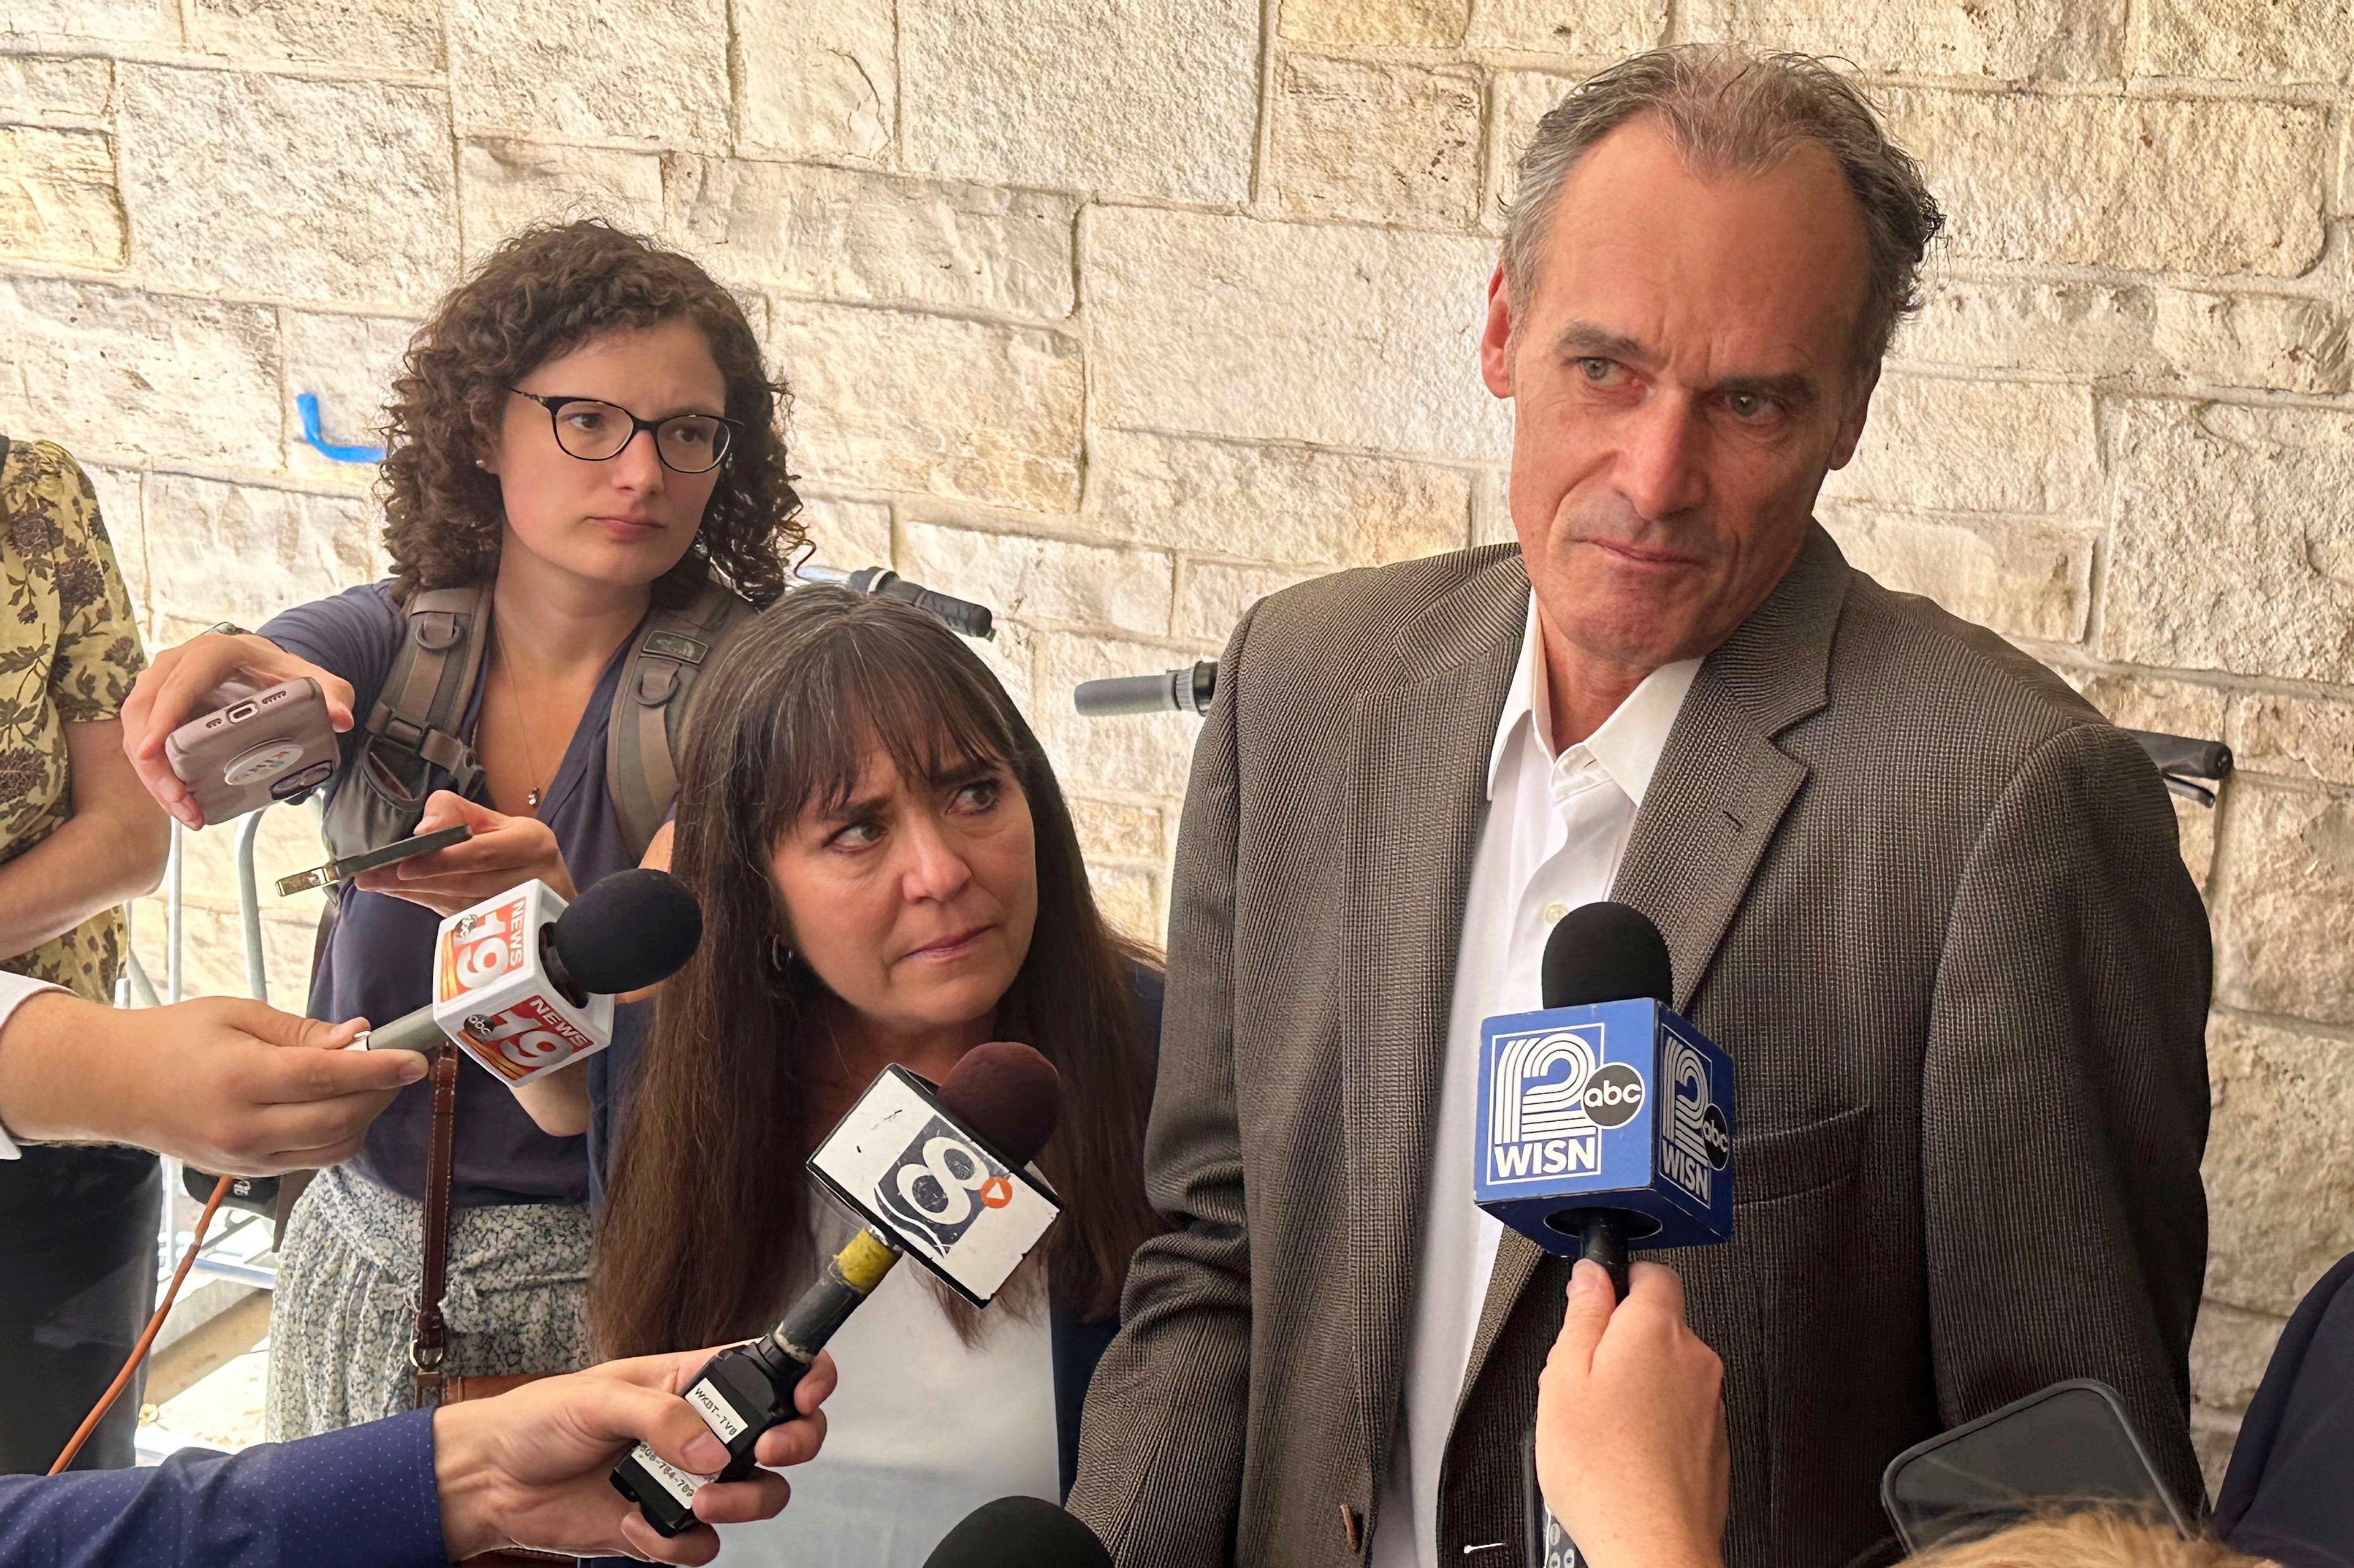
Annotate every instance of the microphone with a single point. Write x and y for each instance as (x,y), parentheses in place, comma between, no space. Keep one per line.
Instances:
(961,615)
(939,1174)
(1186,690)
(524,983)
(1606,1121)
(1019,1533)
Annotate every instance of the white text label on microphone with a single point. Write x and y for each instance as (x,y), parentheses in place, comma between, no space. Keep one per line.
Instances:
(717,1413)
(680,1484)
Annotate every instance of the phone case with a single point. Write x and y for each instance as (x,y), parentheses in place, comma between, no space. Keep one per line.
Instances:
(271,744)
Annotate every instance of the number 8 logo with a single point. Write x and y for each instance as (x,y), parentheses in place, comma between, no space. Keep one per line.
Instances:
(940,1156)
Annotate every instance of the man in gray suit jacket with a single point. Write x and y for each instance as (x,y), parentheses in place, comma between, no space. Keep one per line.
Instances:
(1930,903)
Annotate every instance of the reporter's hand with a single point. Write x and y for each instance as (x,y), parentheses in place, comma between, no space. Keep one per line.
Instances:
(506,851)
(229,1086)
(530,1468)
(1632,1456)
(168,693)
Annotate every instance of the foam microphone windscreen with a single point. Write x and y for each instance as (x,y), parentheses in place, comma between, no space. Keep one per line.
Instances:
(628,931)
(1007,1093)
(1606,952)
(1019,1533)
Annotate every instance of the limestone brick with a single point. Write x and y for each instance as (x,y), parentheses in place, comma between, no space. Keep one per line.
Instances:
(1130,899)
(2070,328)
(126,528)
(1321,332)
(289,547)
(1416,23)
(1043,582)
(2293,736)
(1388,144)
(1977,446)
(348,364)
(2287,912)
(1146,754)
(2221,556)
(1120,830)
(840,234)
(58,197)
(248,184)
(2280,1170)
(2228,1352)
(395,35)
(2202,186)
(1113,96)
(2042,39)
(33,86)
(2213,1433)
(892,400)
(817,82)
(849,534)
(1011,656)
(2136,699)
(651,70)
(130,20)
(2285,342)
(1215,594)
(1287,504)
(505,184)
(2249,40)
(1521,98)
(2024,576)
(111,372)
(1599,30)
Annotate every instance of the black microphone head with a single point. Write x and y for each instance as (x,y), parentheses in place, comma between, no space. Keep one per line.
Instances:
(1009,1094)
(1019,1533)
(1606,952)
(626,931)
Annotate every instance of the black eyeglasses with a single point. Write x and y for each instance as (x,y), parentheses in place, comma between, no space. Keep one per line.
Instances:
(597,431)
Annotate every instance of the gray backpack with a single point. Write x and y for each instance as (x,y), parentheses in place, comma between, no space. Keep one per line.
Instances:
(412,730)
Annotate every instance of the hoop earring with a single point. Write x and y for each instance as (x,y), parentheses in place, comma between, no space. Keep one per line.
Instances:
(780,955)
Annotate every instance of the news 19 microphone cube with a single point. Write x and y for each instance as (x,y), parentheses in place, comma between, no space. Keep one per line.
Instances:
(494,995)
(1619,1106)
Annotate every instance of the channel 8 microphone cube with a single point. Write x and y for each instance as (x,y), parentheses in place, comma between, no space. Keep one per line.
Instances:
(1619,1106)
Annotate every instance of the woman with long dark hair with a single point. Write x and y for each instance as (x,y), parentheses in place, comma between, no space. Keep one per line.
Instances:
(585,476)
(889,873)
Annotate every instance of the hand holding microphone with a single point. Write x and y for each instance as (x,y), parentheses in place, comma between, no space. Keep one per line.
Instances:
(1632,1451)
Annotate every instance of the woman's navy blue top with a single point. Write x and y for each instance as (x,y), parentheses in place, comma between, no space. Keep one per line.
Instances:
(1077,1345)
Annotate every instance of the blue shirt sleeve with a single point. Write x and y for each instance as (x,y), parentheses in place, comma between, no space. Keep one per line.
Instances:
(361,1498)
(354,635)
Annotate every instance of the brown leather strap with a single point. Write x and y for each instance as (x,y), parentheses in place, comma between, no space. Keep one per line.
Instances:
(431,1341)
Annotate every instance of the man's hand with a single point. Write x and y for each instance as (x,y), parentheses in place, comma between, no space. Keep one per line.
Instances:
(1632,1456)
(170,691)
(229,1086)
(531,1467)
(506,851)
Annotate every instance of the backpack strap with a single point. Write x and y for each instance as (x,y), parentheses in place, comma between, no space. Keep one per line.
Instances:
(649,708)
(413,729)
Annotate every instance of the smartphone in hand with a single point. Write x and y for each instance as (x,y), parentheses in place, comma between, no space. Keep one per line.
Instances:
(258,747)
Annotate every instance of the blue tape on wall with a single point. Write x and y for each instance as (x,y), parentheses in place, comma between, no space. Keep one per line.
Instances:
(307,405)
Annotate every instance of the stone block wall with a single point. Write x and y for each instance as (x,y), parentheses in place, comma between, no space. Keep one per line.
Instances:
(1119,313)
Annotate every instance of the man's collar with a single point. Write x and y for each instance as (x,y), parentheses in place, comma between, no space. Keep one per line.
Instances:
(1629,743)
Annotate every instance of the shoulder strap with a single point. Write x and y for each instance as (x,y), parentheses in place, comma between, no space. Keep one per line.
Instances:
(413,729)
(649,708)
(429,1340)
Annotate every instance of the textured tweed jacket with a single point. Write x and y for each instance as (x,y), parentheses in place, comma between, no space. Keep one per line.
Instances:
(1930,903)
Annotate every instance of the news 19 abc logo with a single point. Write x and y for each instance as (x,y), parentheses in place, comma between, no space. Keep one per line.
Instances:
(940,1184)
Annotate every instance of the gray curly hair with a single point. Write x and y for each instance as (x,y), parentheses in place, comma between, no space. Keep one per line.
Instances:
(1728,110)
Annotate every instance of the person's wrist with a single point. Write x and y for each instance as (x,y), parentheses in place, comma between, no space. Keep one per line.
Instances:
(45,1090)
(466,1483)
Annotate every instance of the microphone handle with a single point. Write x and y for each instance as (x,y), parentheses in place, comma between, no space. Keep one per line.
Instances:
(417,1033)
(1601,1238)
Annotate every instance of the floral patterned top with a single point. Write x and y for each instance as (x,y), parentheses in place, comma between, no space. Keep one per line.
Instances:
(69,651)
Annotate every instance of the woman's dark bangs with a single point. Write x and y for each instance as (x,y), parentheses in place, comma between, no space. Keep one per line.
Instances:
(861,691)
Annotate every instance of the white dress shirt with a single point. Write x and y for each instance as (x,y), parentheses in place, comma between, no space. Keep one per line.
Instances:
(14,990)
(1556,829)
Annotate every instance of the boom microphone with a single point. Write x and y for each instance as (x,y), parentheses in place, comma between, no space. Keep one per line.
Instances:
(1019,1533)
(1576,1149)
(524,983)
(939,1174)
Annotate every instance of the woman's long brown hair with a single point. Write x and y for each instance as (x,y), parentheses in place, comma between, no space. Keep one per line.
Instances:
(707,1219)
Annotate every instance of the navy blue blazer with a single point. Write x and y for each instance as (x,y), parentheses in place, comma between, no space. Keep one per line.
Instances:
(361,1498)
(1077,1345)
(2285,1496)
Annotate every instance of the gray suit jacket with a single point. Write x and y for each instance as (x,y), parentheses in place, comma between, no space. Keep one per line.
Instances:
(1930,903)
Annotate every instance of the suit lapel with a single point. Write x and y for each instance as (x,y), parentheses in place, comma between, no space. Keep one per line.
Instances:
(1714,803)
(1416,799)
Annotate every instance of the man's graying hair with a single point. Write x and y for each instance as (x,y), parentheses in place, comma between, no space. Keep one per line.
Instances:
(1729,110)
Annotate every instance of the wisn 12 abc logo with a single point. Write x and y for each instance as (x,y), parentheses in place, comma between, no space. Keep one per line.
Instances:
(1550,1103)
(939,1185)
(1694,1141)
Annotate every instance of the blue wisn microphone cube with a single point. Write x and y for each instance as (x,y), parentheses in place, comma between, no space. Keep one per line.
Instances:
(1619,1106)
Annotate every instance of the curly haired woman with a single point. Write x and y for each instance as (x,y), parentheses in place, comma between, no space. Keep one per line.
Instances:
(514,458)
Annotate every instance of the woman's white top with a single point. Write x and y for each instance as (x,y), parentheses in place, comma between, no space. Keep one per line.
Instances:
(922,1430)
